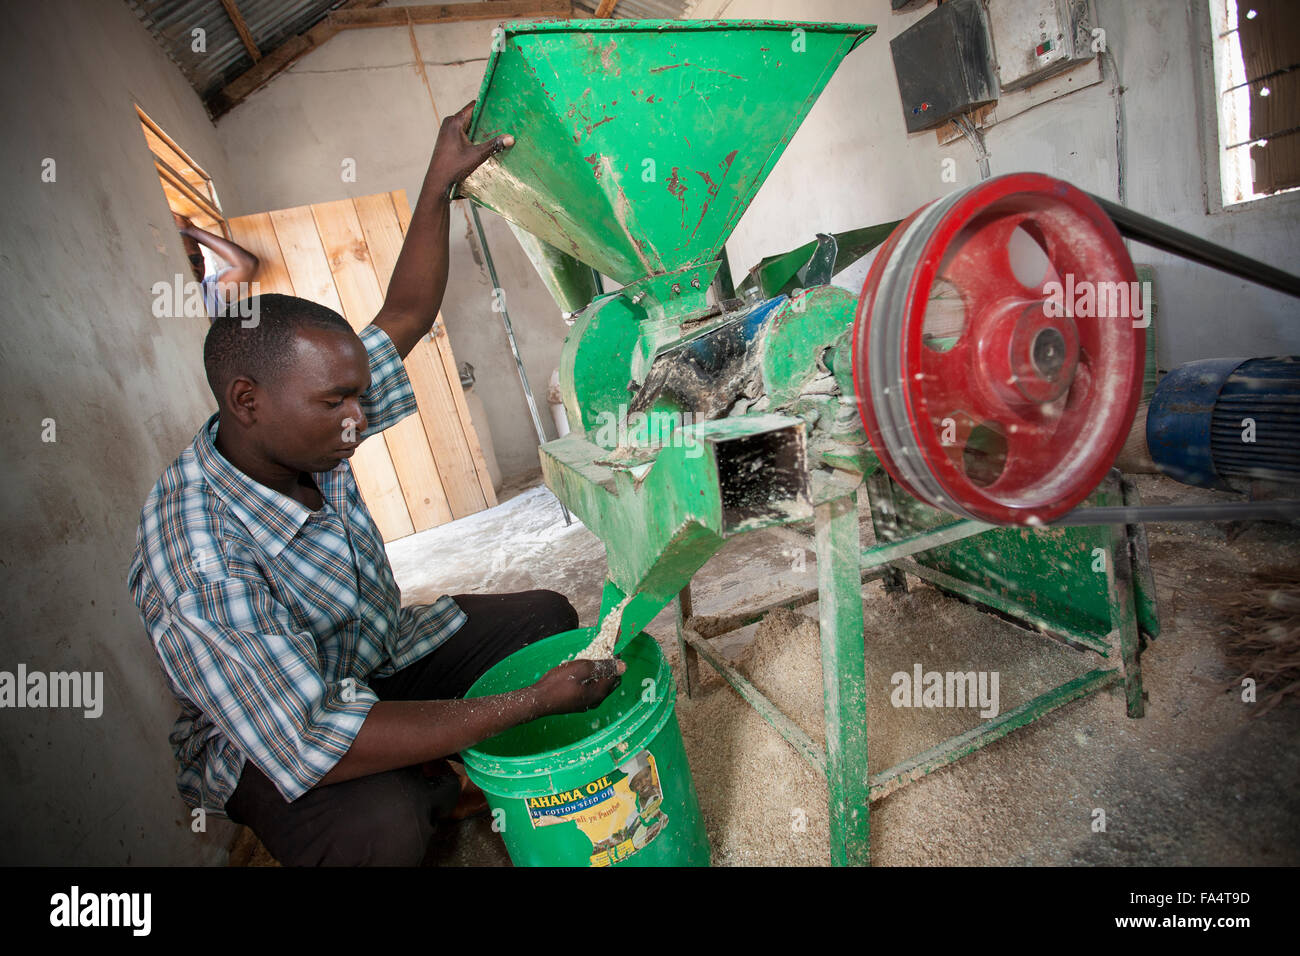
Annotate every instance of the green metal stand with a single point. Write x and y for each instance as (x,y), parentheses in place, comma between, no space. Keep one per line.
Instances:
(1116,555)
(844,679)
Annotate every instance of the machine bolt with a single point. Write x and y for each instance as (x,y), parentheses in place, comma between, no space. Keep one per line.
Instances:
(677,288)
(1048,353)
(695,282)
(636,299)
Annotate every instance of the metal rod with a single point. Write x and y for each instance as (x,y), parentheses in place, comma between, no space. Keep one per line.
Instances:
(1263,138)
(1227,511)
(925,541)
(690,659)
(804,745)
(1123,617)
(715,626)
(844,679)
(1144,229)
(514,346)
(789,535)
(1008,605)
(887,781)
(1261,79)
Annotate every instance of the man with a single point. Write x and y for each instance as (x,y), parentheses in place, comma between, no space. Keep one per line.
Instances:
(225,286)
(309,697)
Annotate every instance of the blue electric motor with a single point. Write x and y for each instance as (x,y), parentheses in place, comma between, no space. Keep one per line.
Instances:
(1225,423)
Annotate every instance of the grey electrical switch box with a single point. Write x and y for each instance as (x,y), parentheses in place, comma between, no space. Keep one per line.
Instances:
(944,63)
(1036,39)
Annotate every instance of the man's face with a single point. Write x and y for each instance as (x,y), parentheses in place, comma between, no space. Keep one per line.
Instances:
(310,418)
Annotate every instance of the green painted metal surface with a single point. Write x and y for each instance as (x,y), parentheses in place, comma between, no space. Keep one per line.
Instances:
(784,273)
(844,680)
(1007,603)
(1119,591)
(613,343)
(1056,579)
(571,283)
(639,143)
(798,334)
(663,517)
(1144,580)
(803,361)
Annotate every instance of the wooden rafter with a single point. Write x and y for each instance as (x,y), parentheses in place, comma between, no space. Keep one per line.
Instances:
(234,92)
(366,13)
(605,9)
(241,28)
(450,13)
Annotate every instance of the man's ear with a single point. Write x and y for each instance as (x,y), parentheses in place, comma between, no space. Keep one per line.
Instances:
(242,398)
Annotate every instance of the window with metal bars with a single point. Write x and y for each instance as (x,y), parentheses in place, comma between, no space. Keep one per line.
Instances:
(1257,81)
(189,190)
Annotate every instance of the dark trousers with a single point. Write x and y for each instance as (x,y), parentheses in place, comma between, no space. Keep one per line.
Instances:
(387,819)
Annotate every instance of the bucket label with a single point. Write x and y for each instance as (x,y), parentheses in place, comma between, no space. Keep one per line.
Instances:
(619,812)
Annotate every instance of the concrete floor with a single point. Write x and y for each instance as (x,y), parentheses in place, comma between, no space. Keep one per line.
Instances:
(1199,780)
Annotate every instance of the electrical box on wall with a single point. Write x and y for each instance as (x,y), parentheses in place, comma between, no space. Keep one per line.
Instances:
(1036,39)
(944,63)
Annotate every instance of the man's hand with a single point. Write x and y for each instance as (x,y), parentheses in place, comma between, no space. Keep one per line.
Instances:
(454,156)
(577,685)
(182,222)
(399,733)
(420,276)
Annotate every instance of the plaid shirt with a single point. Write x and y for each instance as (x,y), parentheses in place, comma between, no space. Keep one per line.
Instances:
(268,618)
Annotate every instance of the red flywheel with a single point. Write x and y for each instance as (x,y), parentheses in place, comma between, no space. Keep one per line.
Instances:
(999,349)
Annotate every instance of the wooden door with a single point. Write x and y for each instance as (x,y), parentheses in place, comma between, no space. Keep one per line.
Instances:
(427,469)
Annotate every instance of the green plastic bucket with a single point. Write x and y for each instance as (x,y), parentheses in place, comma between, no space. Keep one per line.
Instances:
(608,786)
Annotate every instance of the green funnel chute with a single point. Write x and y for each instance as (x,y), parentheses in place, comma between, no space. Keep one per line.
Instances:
(640,143)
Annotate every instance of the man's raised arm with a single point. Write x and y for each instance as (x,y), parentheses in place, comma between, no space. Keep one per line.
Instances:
(420,276)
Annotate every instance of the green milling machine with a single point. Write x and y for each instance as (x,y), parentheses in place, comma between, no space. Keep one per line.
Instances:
(700,412)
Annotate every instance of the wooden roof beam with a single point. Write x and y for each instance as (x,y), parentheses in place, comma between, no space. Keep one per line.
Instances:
(241,28)
(450,13)
(275,62)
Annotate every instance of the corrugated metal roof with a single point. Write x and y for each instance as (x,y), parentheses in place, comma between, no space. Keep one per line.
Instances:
(224,57)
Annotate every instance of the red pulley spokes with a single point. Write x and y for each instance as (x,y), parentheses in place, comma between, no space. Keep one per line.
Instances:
(999,350)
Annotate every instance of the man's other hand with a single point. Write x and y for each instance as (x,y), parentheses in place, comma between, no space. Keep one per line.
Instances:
(577,685)
(454,156)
